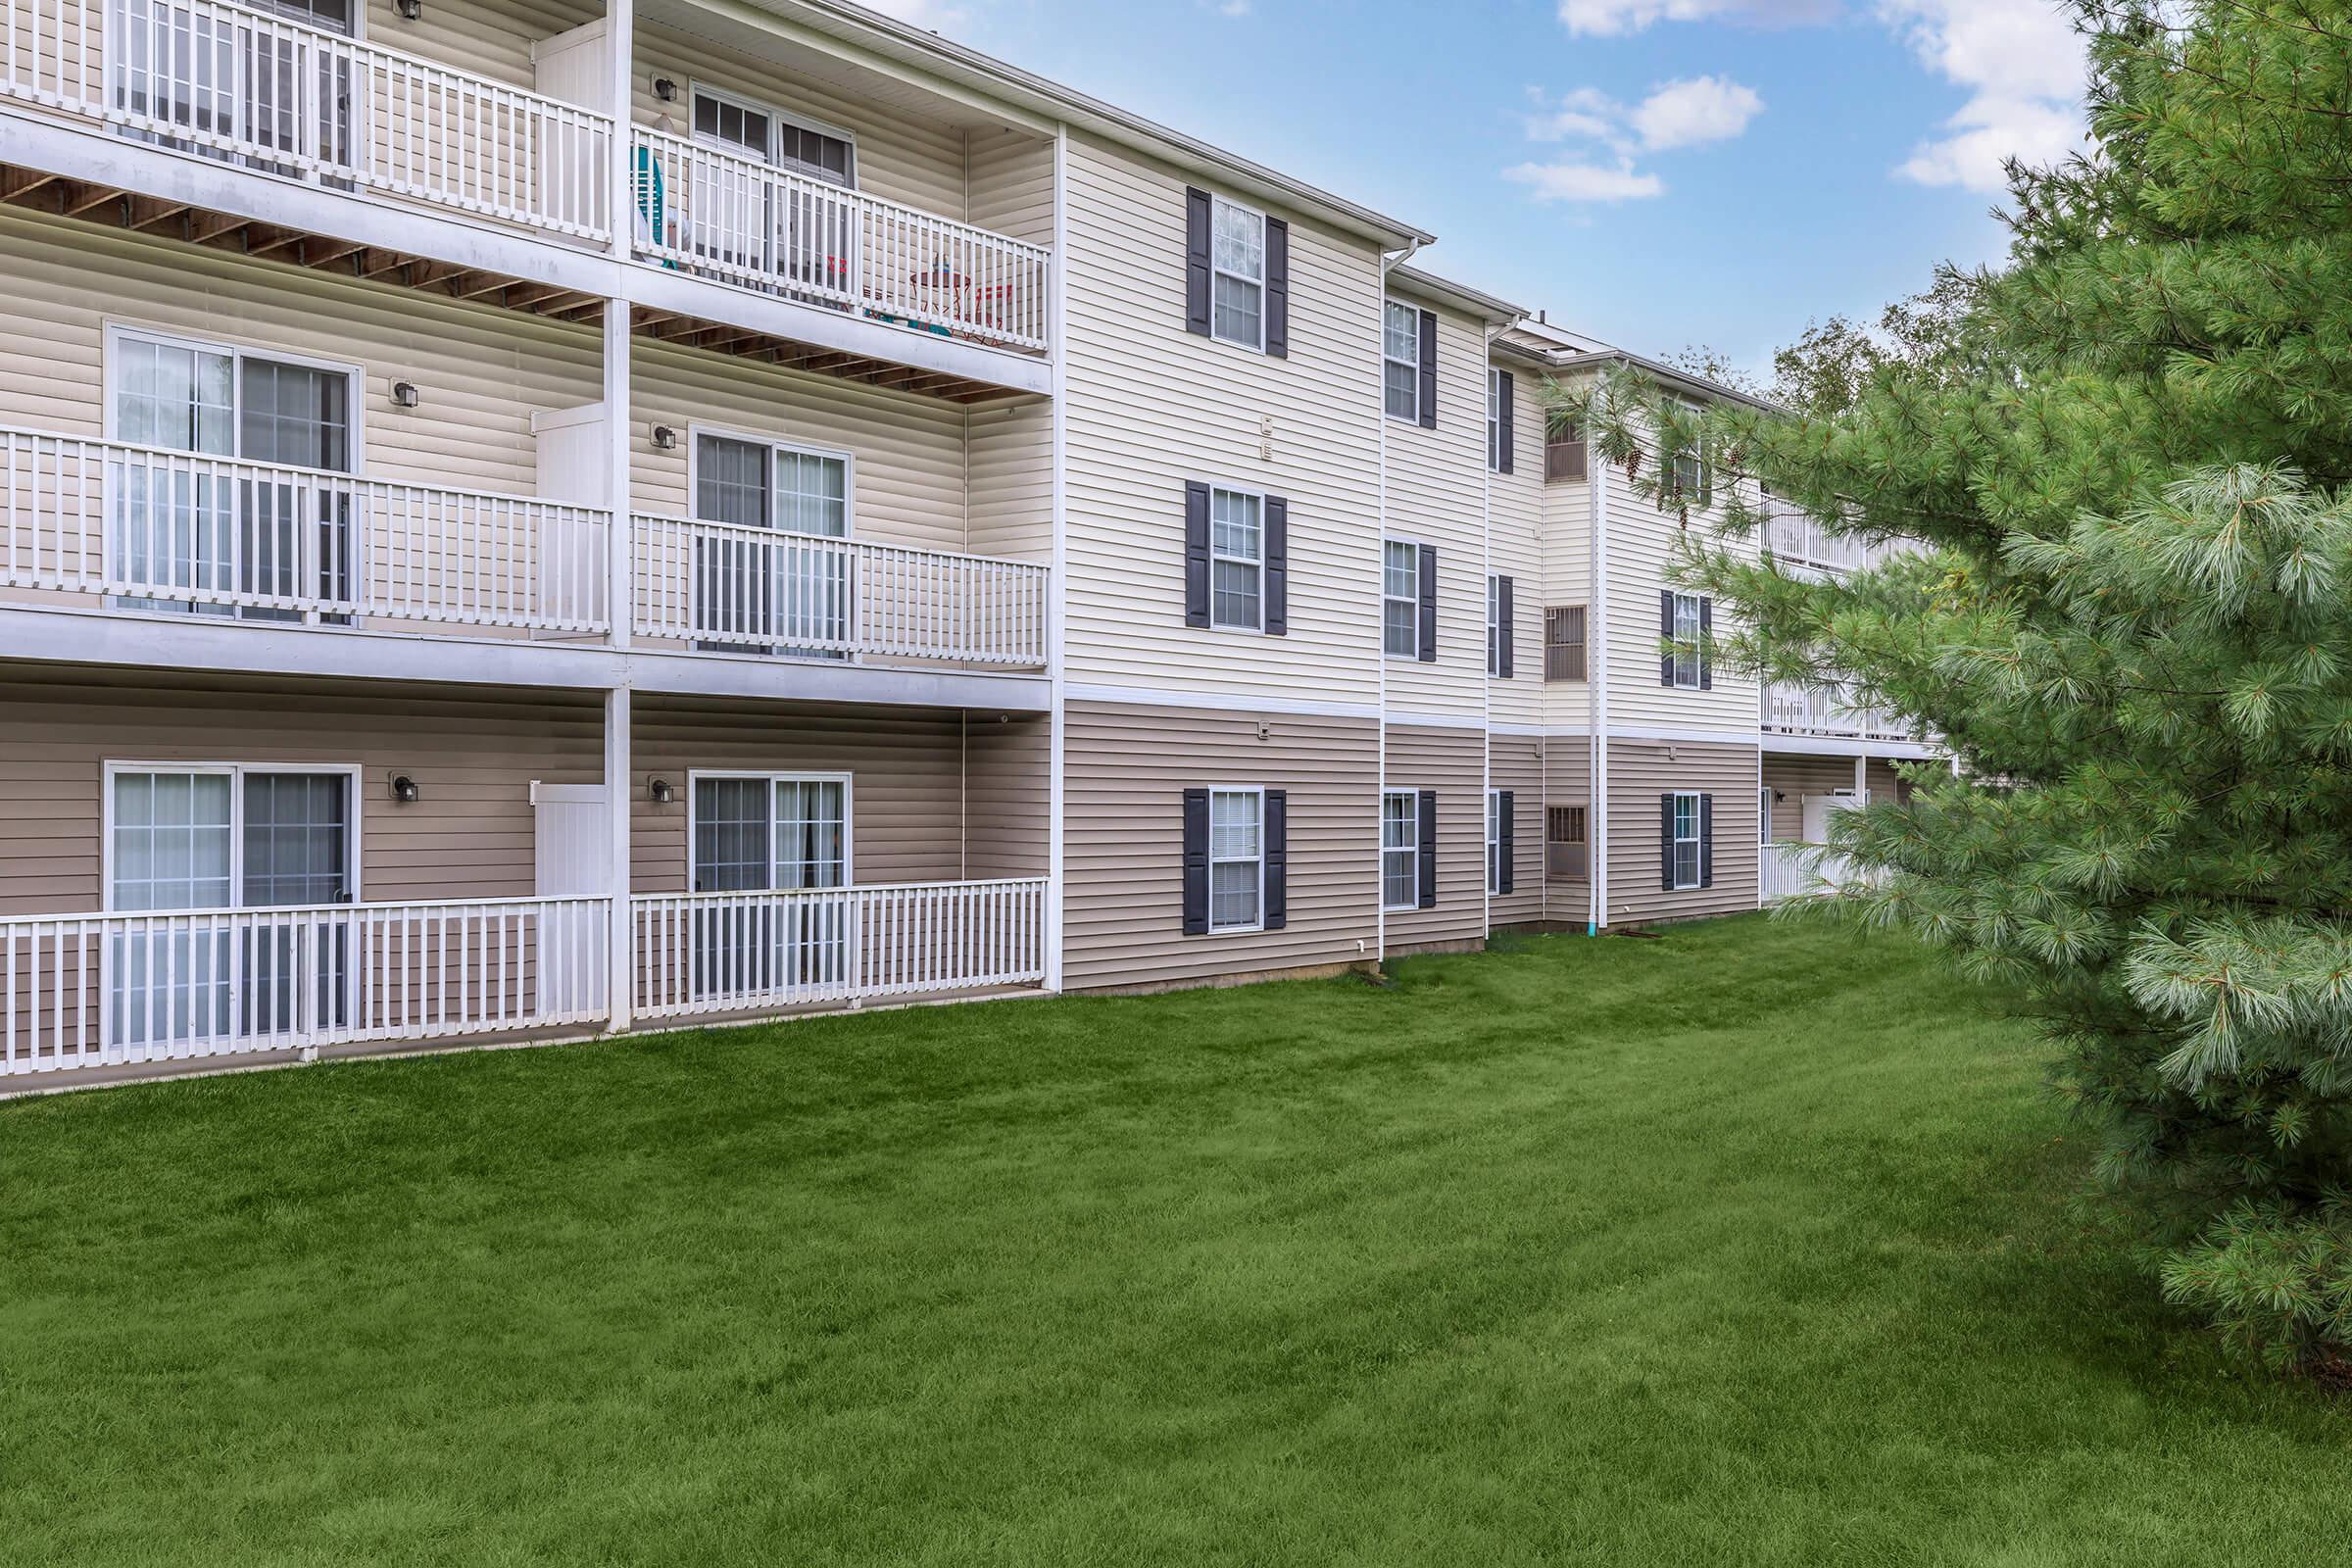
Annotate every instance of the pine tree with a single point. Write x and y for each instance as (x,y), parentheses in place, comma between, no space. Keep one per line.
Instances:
(2120,461)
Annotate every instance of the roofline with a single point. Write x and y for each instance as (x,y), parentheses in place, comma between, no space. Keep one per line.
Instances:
(1664,373)
(888,36)
(1460,296)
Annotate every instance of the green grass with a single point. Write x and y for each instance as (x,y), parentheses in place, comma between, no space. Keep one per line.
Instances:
(1740,1246)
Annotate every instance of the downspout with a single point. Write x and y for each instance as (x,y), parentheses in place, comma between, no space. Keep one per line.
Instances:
(1596,684)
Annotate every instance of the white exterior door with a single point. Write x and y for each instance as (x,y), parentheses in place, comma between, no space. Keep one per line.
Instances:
(571,841)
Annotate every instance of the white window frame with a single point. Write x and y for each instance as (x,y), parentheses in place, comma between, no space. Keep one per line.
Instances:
(1257,344)
(776,447)
(111,381)
(1494,420)
(1493,843)
(1701,491)
(1696,840)
(848,815)
(1217,489)
(1697,658)
(1494,626)
(1387,359)
(1764,815)
(1208,894)
(353,774)
(776,115)
(1411,849)
(1387,599)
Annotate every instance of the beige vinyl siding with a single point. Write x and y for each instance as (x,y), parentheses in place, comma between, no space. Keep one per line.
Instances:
(901,157)
(1885,783)
(473,757)
(1515,762)
(1567,535)
(1451,762)
(906,768)
(1640,771)
(1008,500)
(908,452)
(1640,545)
(1568,781)
(490,39)
(1792,776)
(1436,483)
(1008,789)
(481,373)
(1516,550)
(1149,406)
(1012,185)
(1126,769)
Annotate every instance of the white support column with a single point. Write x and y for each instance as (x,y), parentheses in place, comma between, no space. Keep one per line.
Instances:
(619,962)
(1861,775)
(620,43)
(1596,683)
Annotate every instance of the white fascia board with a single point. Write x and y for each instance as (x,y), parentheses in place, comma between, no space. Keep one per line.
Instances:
(1849,746)
(817,680)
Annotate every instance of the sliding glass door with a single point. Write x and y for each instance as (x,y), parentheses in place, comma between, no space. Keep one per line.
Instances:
(765,833)
(770,595)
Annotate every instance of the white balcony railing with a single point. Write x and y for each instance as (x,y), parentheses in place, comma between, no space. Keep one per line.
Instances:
(1792,710)
(707,952)
(93,990)
(1794,870)
(1798,539)
(150,528)
(708,211)
(744,589)
(277,95)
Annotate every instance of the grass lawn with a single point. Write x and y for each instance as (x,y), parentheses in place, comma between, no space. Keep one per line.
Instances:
(1740,1246)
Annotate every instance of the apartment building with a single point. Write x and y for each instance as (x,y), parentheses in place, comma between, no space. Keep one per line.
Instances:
(520,521)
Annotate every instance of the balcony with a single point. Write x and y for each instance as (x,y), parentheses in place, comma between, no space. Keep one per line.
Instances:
(1797,541)
(1817,711)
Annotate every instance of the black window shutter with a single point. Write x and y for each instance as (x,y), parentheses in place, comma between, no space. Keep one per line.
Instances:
(1427,866)
(1503,841)
(1429,370)
(1195,862)
(1196,262)
(1429,605)
(1503,434)
(1195,554)
(1707,841)
(1707,628)
(1278,859)
(1666,636)
(1502,627)
(1278,288)
(1278,567)
(1666,842)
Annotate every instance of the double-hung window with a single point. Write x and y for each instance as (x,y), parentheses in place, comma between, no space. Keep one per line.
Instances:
(1400,849)
(1693,481)
(1237,259)
(1495,384)
(1401,360)
(1401,599)
(1689,647)
(1494,625)
(1686,824)
(1494,841)
(1236,553)
(1237,858)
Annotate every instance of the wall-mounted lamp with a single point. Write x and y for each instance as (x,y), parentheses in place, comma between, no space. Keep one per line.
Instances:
(663,791)
(404,790)
(404,394)
(1779,799)
(410,10)
(666,90)
(665,439)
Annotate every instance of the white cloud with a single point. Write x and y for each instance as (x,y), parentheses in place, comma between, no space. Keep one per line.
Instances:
(2021,64)
(1233,8)
(1616,18)
(1701,108)
(1571,181)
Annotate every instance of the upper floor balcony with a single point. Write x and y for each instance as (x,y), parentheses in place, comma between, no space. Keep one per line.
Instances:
(1797,541)
(1828,713)
(879,224)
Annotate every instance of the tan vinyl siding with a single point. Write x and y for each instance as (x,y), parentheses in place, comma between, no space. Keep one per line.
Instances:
(490,39)
(1885,783)
(1516,550)
(1436,498)
(1642,544)
(1010,492)
(906,768)
(1793,776)
(1125,773)
(1012,185)
(1149,406)
(907,452)
(1515,762)
(1639,772)
(1567,532)
(473,756)
(1451,762)
(1007,791)
(481,372)
(1568,781)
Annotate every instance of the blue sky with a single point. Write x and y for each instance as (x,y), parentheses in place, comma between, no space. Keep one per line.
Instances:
(1659,173)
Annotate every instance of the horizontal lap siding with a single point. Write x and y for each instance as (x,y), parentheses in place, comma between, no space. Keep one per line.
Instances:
(1006,796)
(1640,771)
(1516,548)
(1148,406)
(1451,762)
(1642,544)
(1125,773)
(1793,776)
(1567,580)
(467,836)
(1009,500)
(484,38)
(908,451)
(1012,185)
(907,770)
(1515,762)
(481,373)
(1437,497)
(1885,783)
